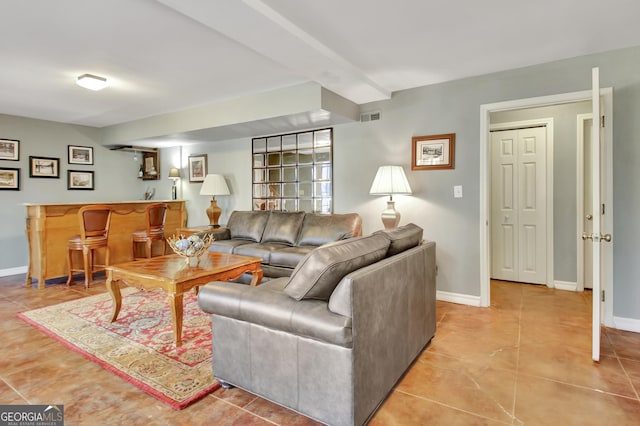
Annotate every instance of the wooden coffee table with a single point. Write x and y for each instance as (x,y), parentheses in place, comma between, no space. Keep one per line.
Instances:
(174,275)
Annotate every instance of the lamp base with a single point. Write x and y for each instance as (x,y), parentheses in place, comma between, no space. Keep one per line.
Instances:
(174,192)
(390,216)
(214,212)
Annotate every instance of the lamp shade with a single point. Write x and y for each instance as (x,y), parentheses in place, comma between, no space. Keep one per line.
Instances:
(174,173)
(214,185)
(390,180)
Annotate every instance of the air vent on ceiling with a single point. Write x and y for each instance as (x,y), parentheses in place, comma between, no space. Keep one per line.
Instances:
(370,116)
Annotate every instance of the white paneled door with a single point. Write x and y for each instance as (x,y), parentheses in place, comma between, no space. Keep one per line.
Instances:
(587,218)
(518,205)
(595,236)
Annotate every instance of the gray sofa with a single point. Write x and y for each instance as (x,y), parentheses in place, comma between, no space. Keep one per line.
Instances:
(282,239)
(333,339)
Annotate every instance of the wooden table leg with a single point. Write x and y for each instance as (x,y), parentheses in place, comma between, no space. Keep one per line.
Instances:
(114,290)
(175,302)
(256,276)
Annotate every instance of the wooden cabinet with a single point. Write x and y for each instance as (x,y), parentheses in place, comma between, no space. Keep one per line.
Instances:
(50,226)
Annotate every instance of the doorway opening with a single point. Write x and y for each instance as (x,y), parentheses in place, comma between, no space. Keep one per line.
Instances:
(485,189)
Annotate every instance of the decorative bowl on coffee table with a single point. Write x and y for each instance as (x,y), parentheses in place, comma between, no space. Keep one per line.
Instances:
(191,247)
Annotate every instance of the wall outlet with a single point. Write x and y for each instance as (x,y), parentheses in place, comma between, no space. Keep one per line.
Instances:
(457,191)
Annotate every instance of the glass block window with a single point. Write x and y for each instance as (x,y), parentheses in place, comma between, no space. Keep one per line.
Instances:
(294,172)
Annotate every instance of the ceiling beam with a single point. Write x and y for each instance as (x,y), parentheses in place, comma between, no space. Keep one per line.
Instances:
(259,27)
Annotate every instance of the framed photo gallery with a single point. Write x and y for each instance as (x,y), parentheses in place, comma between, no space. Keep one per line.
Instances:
(46,167)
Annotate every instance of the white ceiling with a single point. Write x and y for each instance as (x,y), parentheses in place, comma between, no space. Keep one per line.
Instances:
(169,55)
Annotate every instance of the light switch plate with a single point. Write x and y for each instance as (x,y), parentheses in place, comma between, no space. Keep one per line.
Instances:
(457,191)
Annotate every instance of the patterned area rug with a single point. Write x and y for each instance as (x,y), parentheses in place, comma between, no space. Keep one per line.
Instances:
(139,345)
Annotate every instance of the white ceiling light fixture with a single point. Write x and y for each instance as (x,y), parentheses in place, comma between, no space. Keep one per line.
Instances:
(92,82)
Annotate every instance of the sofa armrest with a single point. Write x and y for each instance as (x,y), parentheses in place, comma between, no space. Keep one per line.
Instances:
(221,233)
(266,305)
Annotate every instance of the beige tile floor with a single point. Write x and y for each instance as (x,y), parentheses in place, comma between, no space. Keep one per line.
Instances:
(524,360)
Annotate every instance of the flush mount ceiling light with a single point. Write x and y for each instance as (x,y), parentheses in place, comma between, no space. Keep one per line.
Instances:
(92,82)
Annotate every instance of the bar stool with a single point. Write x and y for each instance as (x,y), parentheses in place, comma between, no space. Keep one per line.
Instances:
(155,214)
(94,234)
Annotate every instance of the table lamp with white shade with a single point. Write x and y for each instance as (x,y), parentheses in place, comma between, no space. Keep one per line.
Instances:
(390,180)
(213,185)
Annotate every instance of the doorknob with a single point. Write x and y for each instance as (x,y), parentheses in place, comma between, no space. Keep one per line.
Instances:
(589,216)
(596,238)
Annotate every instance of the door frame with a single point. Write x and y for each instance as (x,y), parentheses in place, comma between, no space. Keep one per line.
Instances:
(548,124)
(485,202)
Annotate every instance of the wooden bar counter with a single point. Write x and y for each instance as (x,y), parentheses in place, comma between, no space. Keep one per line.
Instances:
(50,226)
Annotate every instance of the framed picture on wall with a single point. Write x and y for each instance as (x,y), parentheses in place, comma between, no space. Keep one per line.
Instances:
(150,166)
(197,167)
(10,179)
(433,152)
(80,155)
(44,167)
(80,179)
(9,149)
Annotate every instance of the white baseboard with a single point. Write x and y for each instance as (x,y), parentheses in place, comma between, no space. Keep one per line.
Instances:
(462,299)
(565,285)
(627,324)
(13,271)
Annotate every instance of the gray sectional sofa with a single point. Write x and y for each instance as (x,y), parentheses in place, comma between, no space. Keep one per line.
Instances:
(331,340)
(282,239)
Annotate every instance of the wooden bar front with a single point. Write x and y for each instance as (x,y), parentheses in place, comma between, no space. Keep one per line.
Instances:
(50,226)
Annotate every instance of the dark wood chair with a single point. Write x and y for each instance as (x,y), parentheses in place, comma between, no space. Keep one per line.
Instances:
(155,214)
(94,234)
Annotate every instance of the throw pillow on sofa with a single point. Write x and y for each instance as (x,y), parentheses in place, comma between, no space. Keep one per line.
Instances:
(247,225)
(318,229)
(283,228)
(402,238)
(320,271)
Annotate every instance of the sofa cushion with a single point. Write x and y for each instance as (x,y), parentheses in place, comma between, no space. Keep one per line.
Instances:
(283,227)
(247,225)
(227,246)
(319,229)
(268,306)
(402,238)
(289,257)
(317,275)
(262,250)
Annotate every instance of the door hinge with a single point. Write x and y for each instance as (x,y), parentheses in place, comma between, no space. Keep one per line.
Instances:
(603,295)
(602,121)
(602,208)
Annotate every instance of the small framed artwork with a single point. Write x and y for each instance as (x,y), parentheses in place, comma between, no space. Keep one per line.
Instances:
(44,167)
(150,170)
(433,152)
(9,149)
(10,179)
(197,167)
(80,155)
(80,179)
